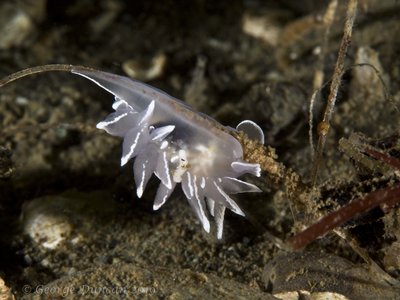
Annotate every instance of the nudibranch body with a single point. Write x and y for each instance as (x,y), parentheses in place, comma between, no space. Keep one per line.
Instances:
(168,138)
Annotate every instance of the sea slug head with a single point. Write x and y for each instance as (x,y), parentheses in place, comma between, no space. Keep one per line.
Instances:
(212,175)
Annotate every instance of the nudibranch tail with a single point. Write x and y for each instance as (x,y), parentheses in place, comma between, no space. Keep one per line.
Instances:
(169,139)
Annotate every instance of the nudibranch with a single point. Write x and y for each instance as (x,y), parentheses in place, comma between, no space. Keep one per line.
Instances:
(167,137)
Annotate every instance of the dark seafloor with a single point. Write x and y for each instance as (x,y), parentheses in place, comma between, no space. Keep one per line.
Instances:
(70,223)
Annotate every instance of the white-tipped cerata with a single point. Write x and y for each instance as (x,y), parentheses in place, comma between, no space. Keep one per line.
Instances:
(223,198)
(219,214)
(143,167)
(145,118)
(138,135)
(135,137)
(196,199)
(161,133)
(163,194)
(111,119)
(162,170)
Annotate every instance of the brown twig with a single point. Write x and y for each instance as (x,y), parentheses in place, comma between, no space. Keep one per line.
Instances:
(394,162)
(319,72)
(324,125)
(345,213)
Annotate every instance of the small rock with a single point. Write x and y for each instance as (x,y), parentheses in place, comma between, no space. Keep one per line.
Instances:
(44,225)
(5,292)
(323,273)
(15,26)
(145,70)
(264,27)
(49,220)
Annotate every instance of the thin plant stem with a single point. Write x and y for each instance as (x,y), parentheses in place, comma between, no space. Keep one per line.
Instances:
(343,214)
(324,125)
(328,18)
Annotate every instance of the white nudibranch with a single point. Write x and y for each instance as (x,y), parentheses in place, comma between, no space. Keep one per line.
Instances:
(168,138)
(179,145)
